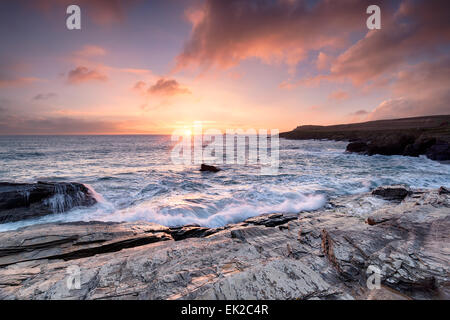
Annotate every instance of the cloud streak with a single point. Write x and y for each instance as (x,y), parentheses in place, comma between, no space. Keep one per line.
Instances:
(89,51)
(17,81)
(338,95)
(44,96)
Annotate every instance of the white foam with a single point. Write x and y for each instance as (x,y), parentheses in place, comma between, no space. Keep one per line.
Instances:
(232,213)
(97,196)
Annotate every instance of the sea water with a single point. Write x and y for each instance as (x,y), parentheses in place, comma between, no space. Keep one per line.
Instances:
(134,179)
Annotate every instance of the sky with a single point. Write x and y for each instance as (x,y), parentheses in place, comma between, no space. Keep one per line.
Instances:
(150,66)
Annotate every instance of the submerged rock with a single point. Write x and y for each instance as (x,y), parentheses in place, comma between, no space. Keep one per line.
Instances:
(208,168)
(19,201)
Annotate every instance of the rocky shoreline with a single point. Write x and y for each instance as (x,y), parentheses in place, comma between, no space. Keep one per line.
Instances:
(429,136)
(325,254)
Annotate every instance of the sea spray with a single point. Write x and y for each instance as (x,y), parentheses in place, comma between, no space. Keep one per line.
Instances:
(224,212)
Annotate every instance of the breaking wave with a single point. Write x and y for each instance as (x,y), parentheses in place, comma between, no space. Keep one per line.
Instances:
(132,178)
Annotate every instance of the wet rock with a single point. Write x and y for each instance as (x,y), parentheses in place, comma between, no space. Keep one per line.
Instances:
(408,136)
(272,220)
(439,151)
(392,192)
(208,168)
(389,144)
(443,190)
(419,147)
(386,145)
(181,233)
(372,221)
(76,240)
(19,201)
(358,147)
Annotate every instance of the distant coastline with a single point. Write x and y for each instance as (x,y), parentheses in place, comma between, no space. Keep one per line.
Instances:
(429,135)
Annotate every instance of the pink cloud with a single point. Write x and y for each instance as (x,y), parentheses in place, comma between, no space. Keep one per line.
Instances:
(86,57)
(165,87)
(421,89)
(323,61)
(89,51)
(227,32)
(139,86)
(338,95)
(384,51)
(13,73)
(358,116)
(136,71)
(17,81)
(82,74)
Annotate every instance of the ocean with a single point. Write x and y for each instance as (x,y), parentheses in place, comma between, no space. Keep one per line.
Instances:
(134,178)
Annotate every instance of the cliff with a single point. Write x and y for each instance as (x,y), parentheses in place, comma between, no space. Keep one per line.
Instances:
(428,136)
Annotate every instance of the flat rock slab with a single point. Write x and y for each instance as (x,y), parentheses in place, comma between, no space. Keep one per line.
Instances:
(75,240)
